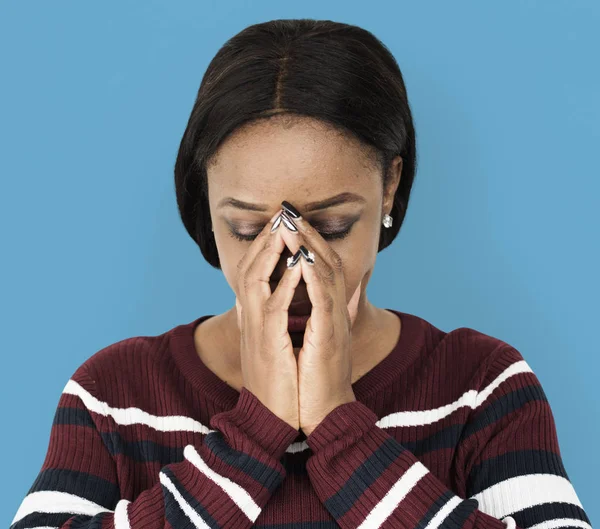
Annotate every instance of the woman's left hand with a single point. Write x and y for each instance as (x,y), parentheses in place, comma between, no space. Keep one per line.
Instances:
(324,361)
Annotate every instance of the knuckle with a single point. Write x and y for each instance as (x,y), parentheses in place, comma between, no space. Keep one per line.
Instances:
(269,307)
(328,303)
(246,281)
(336,262)
(309,230)
(240,265)
(329,276)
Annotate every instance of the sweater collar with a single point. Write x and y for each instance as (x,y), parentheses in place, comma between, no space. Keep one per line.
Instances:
(205,381)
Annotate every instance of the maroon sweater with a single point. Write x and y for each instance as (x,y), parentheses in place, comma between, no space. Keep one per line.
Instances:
(450,430)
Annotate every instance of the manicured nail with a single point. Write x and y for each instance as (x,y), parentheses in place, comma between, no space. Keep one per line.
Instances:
(290,210)
(308,255)
(276,223)
(288,223)
(291,261)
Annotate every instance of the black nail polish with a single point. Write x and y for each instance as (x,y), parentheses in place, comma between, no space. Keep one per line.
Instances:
(289,223)
(290,210)
(309,256)
(291,261)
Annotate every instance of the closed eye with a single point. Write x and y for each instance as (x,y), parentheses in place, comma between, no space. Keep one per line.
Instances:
(327,236)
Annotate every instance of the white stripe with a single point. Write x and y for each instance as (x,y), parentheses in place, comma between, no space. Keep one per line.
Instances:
(522,492)
(50,501)
(470,398)
(128,416)
(238,494)
(173,423)
(561,522)
(194,517)
(121,518)
(382,511)
(443,513)
(514,369)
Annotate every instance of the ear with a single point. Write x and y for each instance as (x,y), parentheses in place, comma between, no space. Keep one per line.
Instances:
(392,185)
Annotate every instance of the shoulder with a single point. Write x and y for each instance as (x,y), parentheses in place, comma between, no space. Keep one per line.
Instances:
(125,372)
(475,356)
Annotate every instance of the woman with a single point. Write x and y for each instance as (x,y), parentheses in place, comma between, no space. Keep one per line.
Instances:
(303,404)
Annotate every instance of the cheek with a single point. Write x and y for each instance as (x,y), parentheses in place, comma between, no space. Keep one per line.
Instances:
(358,255)
(231,253)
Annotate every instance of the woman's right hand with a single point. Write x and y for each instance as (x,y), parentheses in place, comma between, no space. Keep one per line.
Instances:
(268,363)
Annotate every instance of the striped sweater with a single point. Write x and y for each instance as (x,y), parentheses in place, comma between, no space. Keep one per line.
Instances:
(450,430)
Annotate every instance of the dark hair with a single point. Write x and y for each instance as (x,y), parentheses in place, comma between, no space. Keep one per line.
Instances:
(337,73)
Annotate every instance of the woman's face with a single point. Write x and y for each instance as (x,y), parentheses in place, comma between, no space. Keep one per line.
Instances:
(304,162)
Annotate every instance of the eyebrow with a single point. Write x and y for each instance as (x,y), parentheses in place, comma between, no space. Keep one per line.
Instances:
(342,198)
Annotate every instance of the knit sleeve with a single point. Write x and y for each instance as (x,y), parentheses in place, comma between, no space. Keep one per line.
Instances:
(224,482)
(515,477)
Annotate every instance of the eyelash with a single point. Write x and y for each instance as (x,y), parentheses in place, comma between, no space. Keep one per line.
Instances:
(327,236)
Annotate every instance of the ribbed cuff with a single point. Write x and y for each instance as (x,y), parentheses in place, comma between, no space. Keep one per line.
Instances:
(352,419)
(256,423)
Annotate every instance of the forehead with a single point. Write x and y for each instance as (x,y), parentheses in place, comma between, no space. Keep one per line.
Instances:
(294,156)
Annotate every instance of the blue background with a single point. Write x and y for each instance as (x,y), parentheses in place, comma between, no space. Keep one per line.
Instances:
(501,235)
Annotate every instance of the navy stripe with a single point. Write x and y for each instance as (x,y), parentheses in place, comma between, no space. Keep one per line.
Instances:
(82,521)
(445,438)
(76,416)
(432,511)
(141,450)
(270,478)
(549,511)
(503,406)
(295,464)
(198,507)
(173,512)
(363,477)
(459,515)
(512,464)
(82,484)
(41,519)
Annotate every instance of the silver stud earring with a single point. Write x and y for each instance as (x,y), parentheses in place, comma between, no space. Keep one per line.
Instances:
(387,220)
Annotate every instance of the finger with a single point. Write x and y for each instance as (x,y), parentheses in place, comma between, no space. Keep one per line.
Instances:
(314,241)
(322,297)
(256,267)
(331,276)
(277,306)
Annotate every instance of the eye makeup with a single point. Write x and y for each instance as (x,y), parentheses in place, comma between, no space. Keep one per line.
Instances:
(328,232)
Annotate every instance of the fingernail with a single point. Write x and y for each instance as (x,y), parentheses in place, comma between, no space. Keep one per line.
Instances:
(291,261)
(288,223)
(308,255)
(276,223)
(290,210)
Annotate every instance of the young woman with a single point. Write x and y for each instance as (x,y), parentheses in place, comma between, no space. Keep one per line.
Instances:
(303,405)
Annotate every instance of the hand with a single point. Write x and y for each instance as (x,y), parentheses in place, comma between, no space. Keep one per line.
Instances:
(269,368)
(324,361)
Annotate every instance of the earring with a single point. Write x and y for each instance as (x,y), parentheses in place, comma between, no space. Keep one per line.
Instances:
(387,220)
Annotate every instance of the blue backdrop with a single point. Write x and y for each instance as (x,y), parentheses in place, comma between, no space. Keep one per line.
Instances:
(501,235)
